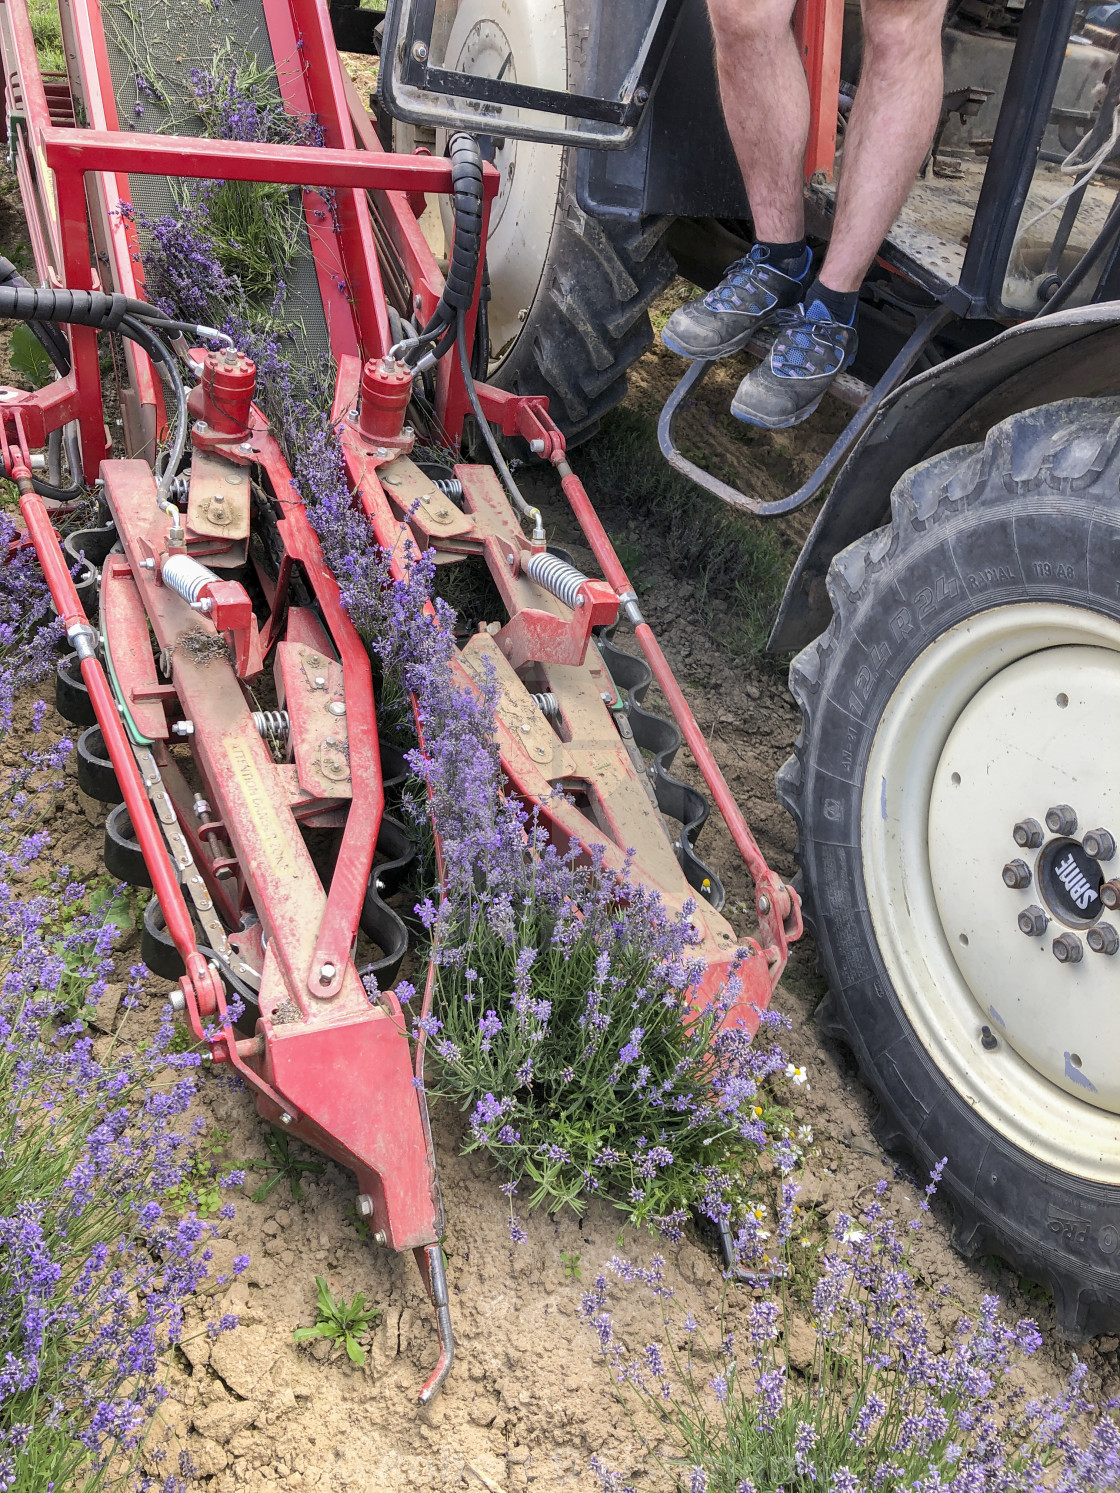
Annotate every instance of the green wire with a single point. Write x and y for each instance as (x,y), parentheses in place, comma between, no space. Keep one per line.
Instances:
(133,729)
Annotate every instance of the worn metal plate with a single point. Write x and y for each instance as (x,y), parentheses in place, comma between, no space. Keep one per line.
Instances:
(308,685)
(218,505)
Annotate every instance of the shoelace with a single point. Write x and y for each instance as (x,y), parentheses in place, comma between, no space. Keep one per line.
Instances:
(811,344)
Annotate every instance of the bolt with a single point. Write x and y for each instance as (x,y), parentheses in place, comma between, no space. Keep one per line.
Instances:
(420,51)
(1110,894)
(764,905)
(988,1039)
(1032,921)
(1067,949)
(641,95)
(351,414)
(379,1237)
(365,1205)
(218,498)
(337,707)
(148,564)
(526,727)
(326,973)
(319,682)
(204,606)
(606,697)
(1016,874)
(177,1000)
(286,1119)
(1099,844)
(200,425)
(1028,834)
(223,873)
(183,728)
(1061,820)
(201,807)
(512,560)
(537,447)
(1103,939)
(246,446)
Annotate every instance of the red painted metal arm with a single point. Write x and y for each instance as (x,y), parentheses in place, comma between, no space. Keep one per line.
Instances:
(819,28)
(235,160)
(205,996)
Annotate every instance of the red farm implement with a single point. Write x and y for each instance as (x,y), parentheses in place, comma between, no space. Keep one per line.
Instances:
(206,578)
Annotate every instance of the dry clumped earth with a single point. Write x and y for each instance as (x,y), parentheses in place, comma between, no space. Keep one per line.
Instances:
(527,1403)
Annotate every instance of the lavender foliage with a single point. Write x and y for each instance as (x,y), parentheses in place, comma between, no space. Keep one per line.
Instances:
(95,1273)
(881,1407)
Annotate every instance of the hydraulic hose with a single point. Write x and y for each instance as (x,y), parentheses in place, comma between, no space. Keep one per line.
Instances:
(466,247)
(487,434)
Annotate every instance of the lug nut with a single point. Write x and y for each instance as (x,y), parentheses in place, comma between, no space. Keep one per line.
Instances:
(1099,844)
(988,1039)
(1028,834)
(1061,820)
(365,1205)
(1033,920)
(1067,949)
(1110,894)
(1016,874)
(1103,939)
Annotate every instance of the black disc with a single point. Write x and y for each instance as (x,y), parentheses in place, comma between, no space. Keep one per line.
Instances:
(71,698)
(123,857)
(96,774)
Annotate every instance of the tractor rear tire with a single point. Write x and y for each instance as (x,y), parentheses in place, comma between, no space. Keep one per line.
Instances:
(969,682)
(588,323)
(570,292)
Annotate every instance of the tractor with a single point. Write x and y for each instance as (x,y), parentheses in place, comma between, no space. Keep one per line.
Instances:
(955,612)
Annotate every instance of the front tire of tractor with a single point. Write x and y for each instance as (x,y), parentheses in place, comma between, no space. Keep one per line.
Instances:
(968,684)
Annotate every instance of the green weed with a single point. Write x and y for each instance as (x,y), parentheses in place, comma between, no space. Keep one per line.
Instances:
(200,1191)
(340,1321)
(47,33)
(570,1262)
(288,1167)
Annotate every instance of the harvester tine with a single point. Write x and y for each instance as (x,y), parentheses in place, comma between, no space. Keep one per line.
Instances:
(429,1257)
(379,921)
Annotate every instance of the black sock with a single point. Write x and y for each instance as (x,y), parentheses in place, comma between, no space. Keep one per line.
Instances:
(840,304)
(788,258)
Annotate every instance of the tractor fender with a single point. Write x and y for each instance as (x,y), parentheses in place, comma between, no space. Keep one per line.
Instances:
(1071,353)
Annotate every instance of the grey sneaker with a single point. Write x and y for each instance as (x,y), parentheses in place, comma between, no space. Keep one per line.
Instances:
(750,295)
(808,353)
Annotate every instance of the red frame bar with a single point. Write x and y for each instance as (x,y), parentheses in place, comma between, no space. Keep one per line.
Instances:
(818,26)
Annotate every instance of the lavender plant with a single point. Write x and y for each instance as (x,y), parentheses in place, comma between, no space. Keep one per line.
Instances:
(876,1410)
(29,628)
(94,1278)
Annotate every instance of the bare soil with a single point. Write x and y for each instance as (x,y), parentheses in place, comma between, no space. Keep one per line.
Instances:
(527,1402)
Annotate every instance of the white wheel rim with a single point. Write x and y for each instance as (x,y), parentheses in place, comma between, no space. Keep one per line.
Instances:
(530,41)
(982,703)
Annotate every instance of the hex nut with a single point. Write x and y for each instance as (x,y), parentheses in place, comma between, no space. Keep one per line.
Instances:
(1110,894)
(1103,938)
(1033,920)
(1028,834)
(988,1039)
(1061,820)
(1016,875)
(1099,844)
(1067,949)
(365,1205)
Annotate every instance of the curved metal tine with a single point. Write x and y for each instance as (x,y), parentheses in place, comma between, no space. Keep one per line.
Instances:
(899,369)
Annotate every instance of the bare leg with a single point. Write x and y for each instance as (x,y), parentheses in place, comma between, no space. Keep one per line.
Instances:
(893,118)
(766,105)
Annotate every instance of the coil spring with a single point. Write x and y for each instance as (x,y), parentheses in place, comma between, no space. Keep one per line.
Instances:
(450,487)
(180,489)
(557,576)
(548,705)
(274,723)
(186,576)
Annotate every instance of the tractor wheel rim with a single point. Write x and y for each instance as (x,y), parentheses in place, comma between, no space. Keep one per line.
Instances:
(1003,717)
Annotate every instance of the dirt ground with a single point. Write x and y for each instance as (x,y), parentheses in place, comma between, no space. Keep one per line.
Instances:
(527,1403)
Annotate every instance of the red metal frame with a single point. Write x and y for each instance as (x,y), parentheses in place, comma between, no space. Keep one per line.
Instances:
(819,28)
(323,1060)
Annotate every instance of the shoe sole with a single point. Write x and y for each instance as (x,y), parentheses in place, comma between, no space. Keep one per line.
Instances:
(708,354)
(777,424)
